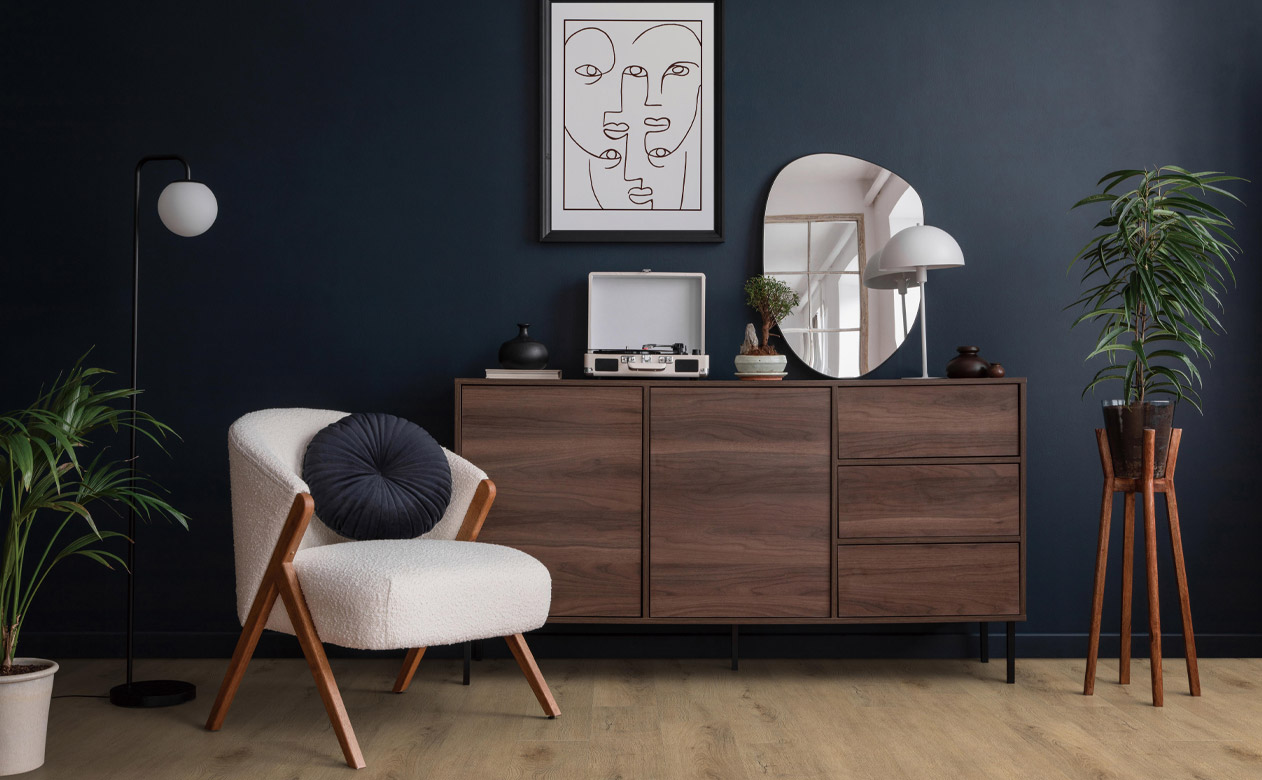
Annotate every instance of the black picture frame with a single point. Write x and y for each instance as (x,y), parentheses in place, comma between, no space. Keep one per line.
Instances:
(547,233)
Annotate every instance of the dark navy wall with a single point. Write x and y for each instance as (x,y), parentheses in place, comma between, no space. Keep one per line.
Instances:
(376,168)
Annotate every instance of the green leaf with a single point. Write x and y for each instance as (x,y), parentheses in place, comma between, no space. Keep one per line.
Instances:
(1098,313)
(1117,177)
(18,448)
(102,557)
(1094,199)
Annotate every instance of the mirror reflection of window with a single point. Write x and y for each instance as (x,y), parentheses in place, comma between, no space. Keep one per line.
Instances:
(784,247)
(826,215)
(831,322)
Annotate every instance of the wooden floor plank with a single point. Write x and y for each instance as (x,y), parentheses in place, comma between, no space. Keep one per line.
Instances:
(626,743)
(673,720)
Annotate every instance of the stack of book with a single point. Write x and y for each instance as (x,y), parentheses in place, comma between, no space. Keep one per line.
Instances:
(523,373)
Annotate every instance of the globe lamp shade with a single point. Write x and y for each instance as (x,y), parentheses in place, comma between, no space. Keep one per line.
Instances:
(187,208)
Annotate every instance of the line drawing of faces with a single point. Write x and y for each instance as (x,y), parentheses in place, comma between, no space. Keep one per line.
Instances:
(632,107)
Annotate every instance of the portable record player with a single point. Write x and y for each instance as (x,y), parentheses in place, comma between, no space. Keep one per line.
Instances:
(646,325)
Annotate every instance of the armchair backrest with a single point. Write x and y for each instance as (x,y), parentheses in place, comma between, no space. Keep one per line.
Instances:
(265,454)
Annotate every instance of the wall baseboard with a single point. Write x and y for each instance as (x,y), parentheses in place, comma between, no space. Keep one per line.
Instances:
(658,642)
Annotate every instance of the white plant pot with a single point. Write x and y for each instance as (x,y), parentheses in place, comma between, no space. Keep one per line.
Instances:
(761,364)
(24,700)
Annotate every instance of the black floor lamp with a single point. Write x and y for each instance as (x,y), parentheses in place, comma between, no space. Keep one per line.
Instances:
(187,208)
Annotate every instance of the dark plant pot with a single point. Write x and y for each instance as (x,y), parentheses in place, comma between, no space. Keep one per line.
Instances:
(523,351)
(967,364)
(1124,425)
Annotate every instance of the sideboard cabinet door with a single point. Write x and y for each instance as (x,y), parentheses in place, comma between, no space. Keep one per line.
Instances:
(567,463)
(739,502)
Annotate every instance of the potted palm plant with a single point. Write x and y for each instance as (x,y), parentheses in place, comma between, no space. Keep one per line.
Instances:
(49,488)
(1154,272)
(773,300)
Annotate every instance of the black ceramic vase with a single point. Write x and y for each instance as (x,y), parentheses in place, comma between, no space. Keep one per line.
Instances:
(1124,425)
(523,352)
(967,365)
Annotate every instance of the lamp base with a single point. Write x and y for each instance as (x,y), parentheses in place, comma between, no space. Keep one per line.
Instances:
(152,693)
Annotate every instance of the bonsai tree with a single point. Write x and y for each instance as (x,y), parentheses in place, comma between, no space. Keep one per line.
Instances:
(1156,271)
(47,482)
(773,300)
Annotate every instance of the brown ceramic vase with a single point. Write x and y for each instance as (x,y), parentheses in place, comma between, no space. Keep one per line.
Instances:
(967,365)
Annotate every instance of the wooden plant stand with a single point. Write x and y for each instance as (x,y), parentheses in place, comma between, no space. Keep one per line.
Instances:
(1148,487)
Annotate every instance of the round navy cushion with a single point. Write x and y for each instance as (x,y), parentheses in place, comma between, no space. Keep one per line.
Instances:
(377,476)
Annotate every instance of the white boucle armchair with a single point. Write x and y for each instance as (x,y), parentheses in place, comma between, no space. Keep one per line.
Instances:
(440,588)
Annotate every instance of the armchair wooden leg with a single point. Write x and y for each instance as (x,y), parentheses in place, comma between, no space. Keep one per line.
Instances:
(517,644)
(291,594)
(269,588)
(250,634)
(280,579)
(410,662)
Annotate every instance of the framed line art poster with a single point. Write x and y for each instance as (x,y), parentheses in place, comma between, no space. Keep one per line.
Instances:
(632,121)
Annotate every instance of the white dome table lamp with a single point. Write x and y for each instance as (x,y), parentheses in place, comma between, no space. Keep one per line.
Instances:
(911,253)
(187,208)
(876,278)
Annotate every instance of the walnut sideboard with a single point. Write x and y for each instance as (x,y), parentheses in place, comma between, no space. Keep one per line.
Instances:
(854,501)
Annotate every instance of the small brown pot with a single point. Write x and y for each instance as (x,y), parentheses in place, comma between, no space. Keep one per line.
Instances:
(1124,425)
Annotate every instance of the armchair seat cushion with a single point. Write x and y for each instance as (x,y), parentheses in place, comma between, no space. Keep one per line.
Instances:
(393,594)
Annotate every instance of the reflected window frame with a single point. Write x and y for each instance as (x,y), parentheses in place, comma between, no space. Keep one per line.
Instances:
(813,333)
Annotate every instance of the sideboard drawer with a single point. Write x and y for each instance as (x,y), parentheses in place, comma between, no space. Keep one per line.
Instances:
(967,499)
(970,420)
(928,580)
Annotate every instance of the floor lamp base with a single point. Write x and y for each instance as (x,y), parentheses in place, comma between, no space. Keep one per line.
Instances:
(152,693)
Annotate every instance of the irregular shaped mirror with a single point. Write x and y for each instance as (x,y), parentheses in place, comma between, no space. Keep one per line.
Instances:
(827,214)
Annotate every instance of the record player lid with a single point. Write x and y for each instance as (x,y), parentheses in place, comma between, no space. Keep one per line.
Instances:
(637,308)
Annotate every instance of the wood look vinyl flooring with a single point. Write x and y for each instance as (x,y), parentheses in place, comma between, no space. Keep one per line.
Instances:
(673,719)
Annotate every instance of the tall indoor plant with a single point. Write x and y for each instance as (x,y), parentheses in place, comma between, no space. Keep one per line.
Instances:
(773,300)
(1155,273)
(49,489)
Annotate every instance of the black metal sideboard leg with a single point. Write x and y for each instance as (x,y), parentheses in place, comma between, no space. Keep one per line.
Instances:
(1012,652)
(468,658)
(983,633)
(736,647)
